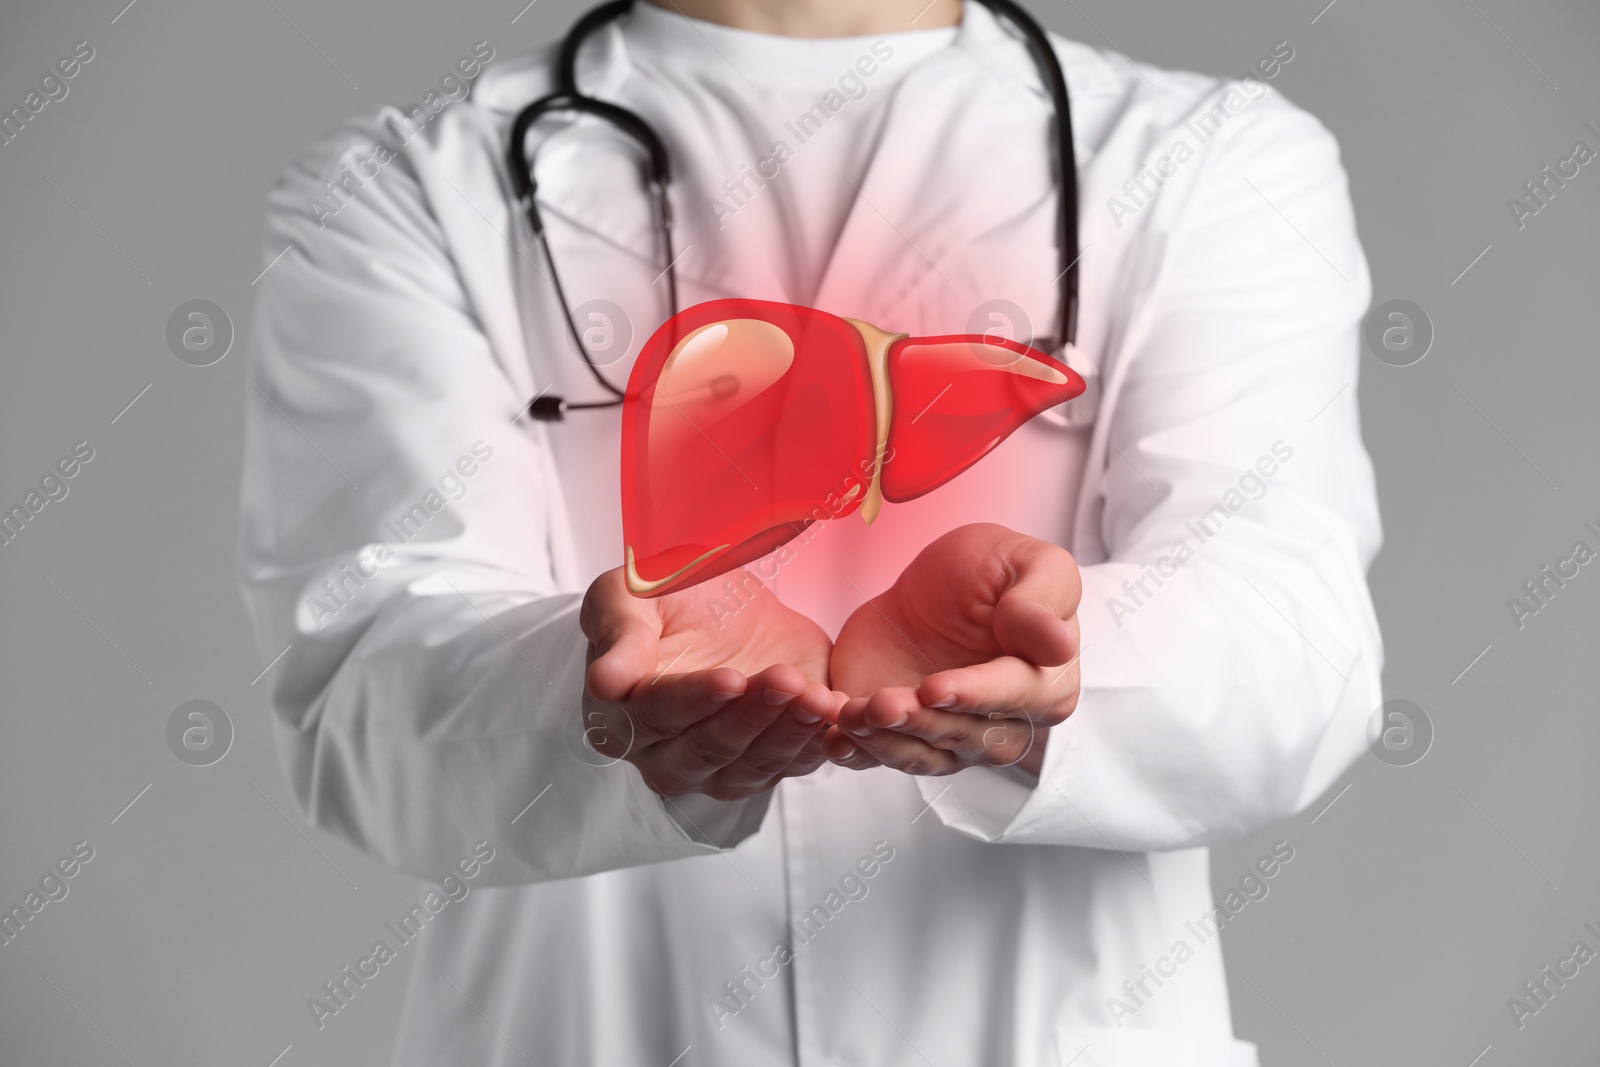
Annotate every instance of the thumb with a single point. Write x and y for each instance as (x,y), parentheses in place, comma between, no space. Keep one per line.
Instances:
(1031,617)
(623,632)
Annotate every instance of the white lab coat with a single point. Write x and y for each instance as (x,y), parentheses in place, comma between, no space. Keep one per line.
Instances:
(432,691)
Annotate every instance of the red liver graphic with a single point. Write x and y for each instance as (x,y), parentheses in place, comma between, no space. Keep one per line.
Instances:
(748,420)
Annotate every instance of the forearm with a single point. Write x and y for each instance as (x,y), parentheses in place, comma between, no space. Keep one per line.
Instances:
(455,718)
(1230,700)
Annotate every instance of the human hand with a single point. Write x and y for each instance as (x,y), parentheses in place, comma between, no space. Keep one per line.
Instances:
(965,661)
(724,704)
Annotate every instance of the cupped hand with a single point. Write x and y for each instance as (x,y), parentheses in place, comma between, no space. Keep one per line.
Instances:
(966,660)
(701,698)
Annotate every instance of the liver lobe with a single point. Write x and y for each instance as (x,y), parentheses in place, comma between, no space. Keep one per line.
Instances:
(747,420)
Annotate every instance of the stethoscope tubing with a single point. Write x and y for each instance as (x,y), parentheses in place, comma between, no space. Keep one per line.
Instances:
(568,98)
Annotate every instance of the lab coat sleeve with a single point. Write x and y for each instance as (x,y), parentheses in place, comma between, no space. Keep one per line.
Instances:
(1231,656)
(395,547)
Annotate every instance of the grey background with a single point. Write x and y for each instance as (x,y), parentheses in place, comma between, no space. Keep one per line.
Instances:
(1416,904)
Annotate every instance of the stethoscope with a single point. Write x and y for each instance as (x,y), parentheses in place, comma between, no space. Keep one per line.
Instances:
(567,97)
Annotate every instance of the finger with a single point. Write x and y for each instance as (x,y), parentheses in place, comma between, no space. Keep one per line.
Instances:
(717,739)
(790,746)
(859,725)
(776,747)
(624,633)
(836,705)
(1036,617)
(662,708)
(994,739)
(911,755)
(975,737)
(1007,686)
(861,716)
(810,758)
(812,754)
(845,752)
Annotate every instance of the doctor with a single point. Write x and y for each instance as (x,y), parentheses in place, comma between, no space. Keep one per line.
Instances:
(757,826)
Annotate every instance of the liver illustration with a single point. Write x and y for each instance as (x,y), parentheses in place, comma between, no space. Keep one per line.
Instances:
(747,420)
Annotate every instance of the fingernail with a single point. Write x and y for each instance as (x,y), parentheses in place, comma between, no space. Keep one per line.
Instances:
(806,717)
(946,704)
(723,698)
(774,696)
(861,731)
(904,718)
